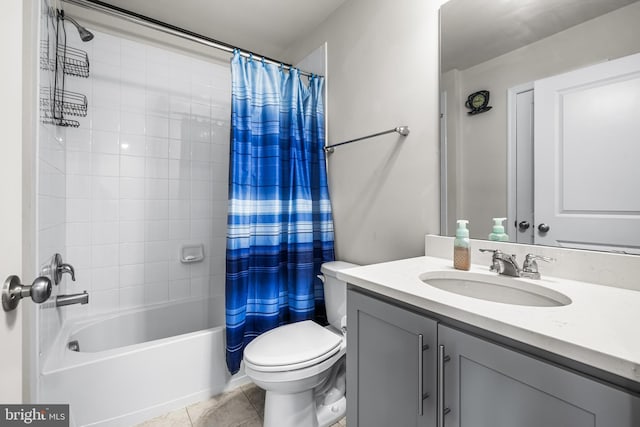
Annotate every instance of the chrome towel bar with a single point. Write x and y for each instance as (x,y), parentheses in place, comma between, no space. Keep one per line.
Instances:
(402,130)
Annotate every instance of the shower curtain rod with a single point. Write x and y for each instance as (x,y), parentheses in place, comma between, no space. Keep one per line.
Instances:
(402,130)
(155,24)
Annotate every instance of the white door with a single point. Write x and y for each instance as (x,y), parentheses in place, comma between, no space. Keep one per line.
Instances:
(587,153)
(523,221)
(11,195)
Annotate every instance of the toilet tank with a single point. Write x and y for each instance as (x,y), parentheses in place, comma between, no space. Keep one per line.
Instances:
(335,291)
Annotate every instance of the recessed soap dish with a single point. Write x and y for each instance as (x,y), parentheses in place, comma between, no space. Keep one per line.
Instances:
(192,253)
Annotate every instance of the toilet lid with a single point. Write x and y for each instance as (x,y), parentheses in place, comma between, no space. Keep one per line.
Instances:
(292,344)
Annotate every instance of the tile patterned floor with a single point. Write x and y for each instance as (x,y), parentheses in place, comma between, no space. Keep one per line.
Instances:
(242,407)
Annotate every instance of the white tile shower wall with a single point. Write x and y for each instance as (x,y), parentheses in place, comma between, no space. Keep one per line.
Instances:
(147,172)
(50,200)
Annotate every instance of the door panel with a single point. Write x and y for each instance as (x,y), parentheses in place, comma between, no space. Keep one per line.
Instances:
(512,402)
(586,156)
(524,167)
(11,196)
(383,364)
(487,385)
(380,342)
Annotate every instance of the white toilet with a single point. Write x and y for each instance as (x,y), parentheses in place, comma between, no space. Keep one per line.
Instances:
(302,365)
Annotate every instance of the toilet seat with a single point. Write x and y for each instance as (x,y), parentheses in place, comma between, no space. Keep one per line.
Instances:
(291,347)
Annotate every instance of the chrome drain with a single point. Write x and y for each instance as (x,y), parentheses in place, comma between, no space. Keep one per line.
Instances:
(73,345)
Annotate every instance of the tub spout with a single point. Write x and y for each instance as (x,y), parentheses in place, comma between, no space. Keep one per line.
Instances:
(62,300)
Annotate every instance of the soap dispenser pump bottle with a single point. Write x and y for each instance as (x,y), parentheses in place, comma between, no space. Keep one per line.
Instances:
(462,247)
(498,234)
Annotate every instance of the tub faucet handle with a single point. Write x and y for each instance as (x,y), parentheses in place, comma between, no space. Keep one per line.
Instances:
(67,268)
(58,268)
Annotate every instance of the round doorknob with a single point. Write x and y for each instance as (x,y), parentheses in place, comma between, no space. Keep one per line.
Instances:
(13,291)
(523,225)
(41,289)
(543,228)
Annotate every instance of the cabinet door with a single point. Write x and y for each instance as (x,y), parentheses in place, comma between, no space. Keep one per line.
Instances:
(391,365)
(487,385)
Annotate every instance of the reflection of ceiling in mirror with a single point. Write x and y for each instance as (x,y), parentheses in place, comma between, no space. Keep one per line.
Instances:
(478,30)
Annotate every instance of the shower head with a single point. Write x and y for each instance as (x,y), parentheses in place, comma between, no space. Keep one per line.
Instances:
(85,35)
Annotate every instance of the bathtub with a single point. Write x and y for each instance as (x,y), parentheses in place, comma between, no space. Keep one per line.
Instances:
(135,365)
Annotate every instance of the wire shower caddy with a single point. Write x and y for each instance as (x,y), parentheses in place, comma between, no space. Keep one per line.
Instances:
(56,103)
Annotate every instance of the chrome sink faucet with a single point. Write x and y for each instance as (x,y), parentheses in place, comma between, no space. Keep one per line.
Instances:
(530,266)
(507,265)
(503,263)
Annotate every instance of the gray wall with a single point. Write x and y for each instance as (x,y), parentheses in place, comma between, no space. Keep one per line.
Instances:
(382,72)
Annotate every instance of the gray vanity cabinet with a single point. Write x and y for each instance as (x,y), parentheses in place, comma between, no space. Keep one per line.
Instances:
(487,385)
(395,356)
(391,365)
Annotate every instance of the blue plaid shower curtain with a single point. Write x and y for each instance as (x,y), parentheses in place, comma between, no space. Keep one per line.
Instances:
(280,227)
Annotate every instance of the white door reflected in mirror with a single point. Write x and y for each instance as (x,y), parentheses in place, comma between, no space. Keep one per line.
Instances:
(586,157)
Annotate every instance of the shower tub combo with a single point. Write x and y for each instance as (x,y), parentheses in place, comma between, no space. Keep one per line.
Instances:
(168,188)
(124,368)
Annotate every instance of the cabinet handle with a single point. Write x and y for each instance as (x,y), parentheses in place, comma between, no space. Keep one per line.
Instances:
(421,394)
(420,373)
(441,410)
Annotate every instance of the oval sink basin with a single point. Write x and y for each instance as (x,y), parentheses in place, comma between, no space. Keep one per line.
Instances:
(506,290)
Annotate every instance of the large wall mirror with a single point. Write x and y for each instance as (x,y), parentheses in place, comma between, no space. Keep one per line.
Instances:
(558,154)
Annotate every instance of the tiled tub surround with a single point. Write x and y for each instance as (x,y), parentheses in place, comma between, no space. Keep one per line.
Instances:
(51,196)
(596,329)
(147,173)
(144,174)
(51,231)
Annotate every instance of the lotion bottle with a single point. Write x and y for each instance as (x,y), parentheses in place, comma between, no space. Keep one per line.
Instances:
(498,234)
(462,247)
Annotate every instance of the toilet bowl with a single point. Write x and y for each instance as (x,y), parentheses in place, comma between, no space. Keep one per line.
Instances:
(301,366)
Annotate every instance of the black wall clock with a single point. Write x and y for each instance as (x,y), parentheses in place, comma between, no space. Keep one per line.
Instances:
(478,102)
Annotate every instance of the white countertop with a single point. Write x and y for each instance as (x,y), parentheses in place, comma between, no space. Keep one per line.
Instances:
(600,328)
